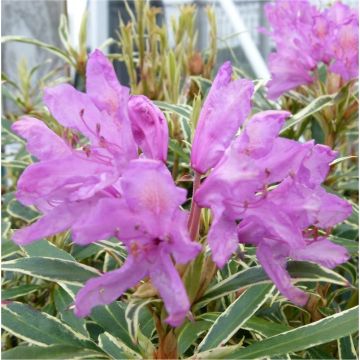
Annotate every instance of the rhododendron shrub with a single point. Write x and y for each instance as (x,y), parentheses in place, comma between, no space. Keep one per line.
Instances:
(213,229)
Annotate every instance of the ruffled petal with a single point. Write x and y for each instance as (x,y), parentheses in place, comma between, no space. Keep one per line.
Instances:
(72,178)
(226,107)
(74,109)
(153,194)
(102,220)
(55,221)
(222,239)
(149,127)
(273,260)
(182,247)
(107,288)
(42,142)
(315,165)
(259,134)
(102,85)
(323,252)
(167,281)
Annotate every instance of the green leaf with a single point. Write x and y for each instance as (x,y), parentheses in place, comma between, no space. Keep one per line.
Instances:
(56,270)
(46,249)
(232,319)
(346,348)
(50,352)
(192,276)
(190,332)
(53,49)
(299,271)
(22,212)
(132,313)
(343,158)
(182,110)
(18,291)
(63,301)
(116,348)
(301,338)
(112,319)
(264,327)
(39,328)
(8,247)
(315,106)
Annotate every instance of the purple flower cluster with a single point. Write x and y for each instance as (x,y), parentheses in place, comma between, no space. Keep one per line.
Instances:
(262,189)
(104,189)
(266,191)
(306,36)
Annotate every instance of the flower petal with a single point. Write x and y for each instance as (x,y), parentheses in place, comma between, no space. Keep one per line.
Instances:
(74,109)
(222,239)
(149,127)
(226,107)
(315,165)
(102,85)
(167,281)
(41,141)
(153,194)
(183,248)
(55,221)
(107,288)
(260,132)
(323,252)
(72,178)
(273,260)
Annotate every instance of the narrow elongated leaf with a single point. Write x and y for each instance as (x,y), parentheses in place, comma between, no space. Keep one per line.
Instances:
(231,320)
(346,348)
(301,338)
(112,319)
(264,327)
(18,291)
(182,110)
(192,277)
(22,212)
(62,302)
(315,106)
(46,249)
(39,328)
(190,332)
(49,352)
(56,270)
(53,49)
(116,348)
(132,316)
(299,271)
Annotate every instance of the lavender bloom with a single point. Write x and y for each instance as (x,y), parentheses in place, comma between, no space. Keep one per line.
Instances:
(226,107)
(149,127)
(149,194)
(67,183)
(304,37)
(277,219)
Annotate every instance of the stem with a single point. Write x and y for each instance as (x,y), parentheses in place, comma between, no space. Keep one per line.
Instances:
(195,211)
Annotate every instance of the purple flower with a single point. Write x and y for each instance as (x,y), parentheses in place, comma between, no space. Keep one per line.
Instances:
(148,220)
(64,185)
(304,37)
(226,107)
(266,191)
(149,127)
(68,182)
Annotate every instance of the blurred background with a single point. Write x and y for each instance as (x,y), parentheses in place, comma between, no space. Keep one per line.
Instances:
(238,23)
